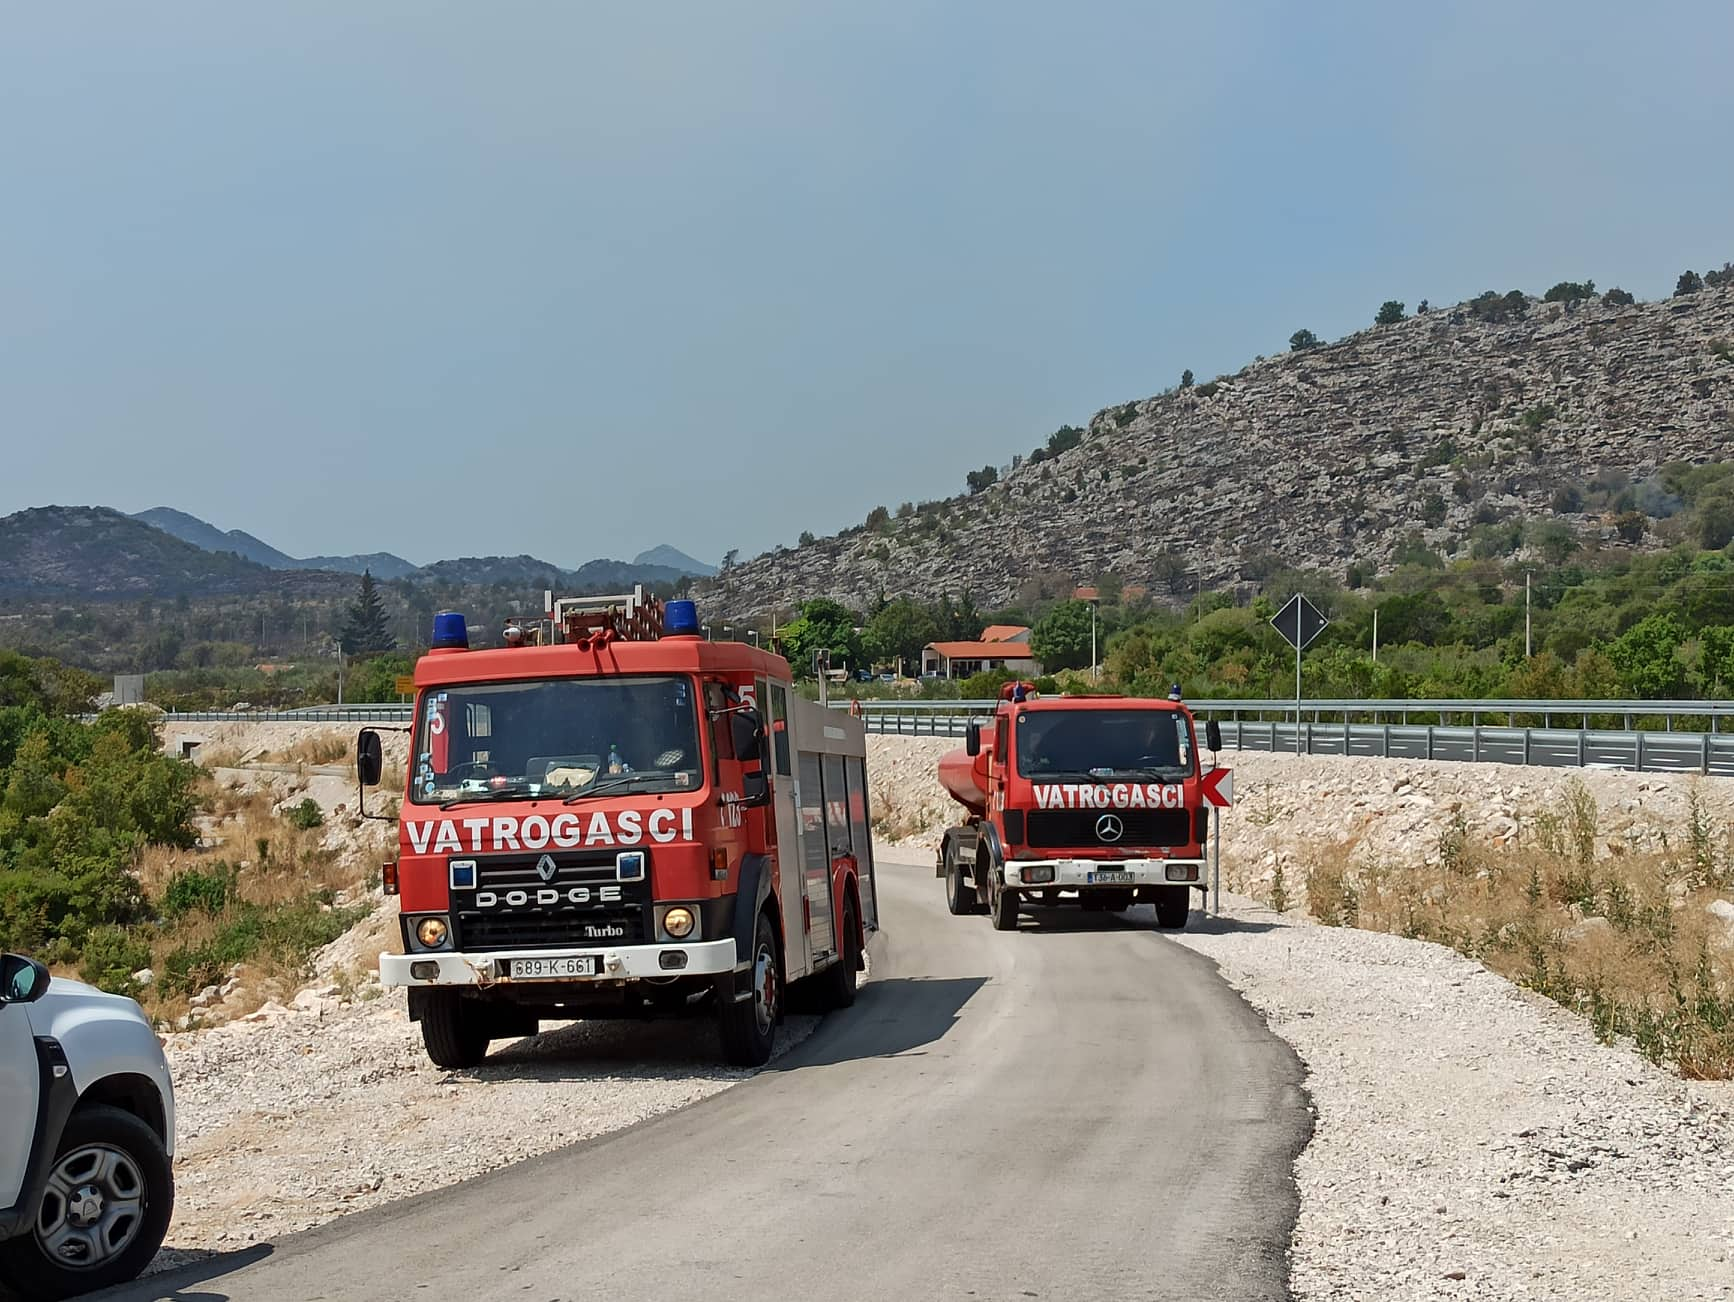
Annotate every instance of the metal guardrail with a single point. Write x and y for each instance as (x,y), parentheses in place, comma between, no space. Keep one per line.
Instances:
(1364,727)
(308,714)
(1359,727)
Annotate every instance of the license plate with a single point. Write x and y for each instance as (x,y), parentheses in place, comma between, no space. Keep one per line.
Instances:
(1108,878)
(544,969)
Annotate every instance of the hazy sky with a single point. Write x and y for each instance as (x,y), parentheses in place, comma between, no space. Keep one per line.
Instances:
(574,279)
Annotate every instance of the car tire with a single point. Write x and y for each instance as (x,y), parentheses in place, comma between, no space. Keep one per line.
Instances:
(454,1030)
(842,977)
(117,1158)
(749,1026)
(1173,904)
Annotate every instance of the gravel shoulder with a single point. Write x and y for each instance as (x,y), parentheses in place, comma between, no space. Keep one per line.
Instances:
(319,1110)
(1473,1140)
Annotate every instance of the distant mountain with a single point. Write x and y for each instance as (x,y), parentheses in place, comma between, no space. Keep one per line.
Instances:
(189,528)
(674,559)
(528,571)
(95,552)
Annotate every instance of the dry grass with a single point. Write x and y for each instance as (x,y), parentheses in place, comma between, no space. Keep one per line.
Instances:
(1627,940)
(266,893)
(326,748)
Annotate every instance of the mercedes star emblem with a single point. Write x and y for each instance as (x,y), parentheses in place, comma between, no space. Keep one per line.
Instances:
(1110,828)
(546,867)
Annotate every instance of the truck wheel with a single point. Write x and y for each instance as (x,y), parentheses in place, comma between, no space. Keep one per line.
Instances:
(960,895)
(749,1027)
(104,1214)
(454,1030)
(841,977)
(1005,908)
(1173,903)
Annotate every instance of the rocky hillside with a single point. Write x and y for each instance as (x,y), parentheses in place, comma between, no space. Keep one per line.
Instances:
(1327,457)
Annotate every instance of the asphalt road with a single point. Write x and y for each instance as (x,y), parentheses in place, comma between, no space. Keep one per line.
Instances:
(1079,1110)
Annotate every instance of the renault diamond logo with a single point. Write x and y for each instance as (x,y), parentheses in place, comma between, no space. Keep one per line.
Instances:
(1110,828)
(546,867)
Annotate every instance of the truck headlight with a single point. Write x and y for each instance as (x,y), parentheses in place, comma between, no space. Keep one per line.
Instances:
(1040,875)
(678,922)
(432,932)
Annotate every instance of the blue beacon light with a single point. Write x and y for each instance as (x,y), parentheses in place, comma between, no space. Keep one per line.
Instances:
(680,619)
(449,632)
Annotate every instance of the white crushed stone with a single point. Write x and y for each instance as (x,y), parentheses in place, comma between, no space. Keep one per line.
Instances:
(1473,1140)
(325,1108)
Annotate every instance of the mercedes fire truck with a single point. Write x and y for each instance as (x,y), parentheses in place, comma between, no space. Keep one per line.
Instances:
(609,816)
(1095,801)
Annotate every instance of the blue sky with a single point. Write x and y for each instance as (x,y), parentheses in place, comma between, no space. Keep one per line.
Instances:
(574,279)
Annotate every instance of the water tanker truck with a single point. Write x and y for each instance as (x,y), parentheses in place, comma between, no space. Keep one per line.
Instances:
(1097,802)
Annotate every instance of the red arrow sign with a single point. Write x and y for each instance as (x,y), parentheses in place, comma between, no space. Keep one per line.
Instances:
(1217,788)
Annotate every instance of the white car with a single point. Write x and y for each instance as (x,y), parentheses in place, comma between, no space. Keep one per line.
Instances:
(86,1134)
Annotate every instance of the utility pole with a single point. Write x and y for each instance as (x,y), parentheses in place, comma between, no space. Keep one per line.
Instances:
(1375,635)
(1526,614)
(1092,641)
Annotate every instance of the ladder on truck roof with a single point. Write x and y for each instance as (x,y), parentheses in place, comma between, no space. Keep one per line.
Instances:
(628,617)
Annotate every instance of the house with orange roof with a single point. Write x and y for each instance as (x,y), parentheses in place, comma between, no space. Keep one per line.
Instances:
(1000,646)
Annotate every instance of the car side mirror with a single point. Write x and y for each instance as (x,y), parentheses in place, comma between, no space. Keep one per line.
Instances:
(1213,735)
(369,758)
(22,980)
(972,739)
(748,735)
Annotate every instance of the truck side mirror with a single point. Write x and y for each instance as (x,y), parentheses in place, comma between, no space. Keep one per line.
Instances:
(369,758)
(22,980)
(1213,735)
(972,739)
(755,789)
(748,734)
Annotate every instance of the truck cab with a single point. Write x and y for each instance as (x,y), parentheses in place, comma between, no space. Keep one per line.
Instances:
(610,816)
(1095,802)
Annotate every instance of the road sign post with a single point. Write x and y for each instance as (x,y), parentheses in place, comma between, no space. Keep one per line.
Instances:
(1217,788)
(1299,622)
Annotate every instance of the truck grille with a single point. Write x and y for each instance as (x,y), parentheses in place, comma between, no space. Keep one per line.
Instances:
(1065,828)
(534,924)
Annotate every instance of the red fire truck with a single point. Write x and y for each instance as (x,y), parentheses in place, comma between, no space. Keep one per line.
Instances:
(609,816)
(1097,801)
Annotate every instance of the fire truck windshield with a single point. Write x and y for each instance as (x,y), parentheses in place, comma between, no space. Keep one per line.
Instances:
(1103,743)
(558,737)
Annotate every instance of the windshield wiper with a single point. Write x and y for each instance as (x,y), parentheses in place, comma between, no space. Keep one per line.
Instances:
(621,782)
(497,793)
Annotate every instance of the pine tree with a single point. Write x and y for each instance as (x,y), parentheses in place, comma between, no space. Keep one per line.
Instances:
(366,632)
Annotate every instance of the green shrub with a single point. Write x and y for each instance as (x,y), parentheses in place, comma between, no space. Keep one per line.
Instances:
(1390,312)
(1617,297)
(307,815)
(1301,340)
(204,890)
(111,955)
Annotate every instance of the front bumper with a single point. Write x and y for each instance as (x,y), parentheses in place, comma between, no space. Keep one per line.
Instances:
(618,963)
(1079,874)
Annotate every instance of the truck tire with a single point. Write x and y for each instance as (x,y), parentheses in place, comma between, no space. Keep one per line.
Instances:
(749,1027)
(1005,908)
(960,895)
(105,1212)
(454,1030)
(838,984)
(1173,903)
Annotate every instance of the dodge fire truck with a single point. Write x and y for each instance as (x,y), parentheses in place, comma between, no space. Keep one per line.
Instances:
(1096,801)
(609,816)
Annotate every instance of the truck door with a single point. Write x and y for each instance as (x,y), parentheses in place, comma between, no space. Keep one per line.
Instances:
(815,855)
(19,1086)
(789,874)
